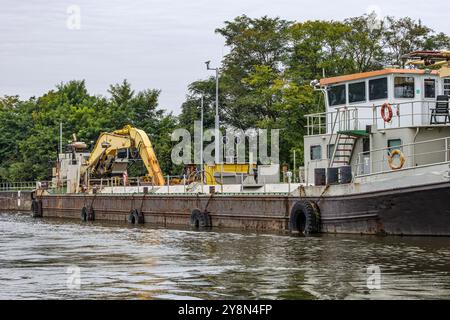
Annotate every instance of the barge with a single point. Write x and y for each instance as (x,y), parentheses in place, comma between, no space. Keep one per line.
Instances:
(376,162)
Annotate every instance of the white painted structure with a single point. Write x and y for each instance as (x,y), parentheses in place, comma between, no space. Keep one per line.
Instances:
(353,107)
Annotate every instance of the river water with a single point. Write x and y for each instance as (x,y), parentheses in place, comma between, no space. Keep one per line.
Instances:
(61,259)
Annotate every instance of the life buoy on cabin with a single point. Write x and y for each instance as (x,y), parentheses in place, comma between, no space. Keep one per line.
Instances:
(396,152)
(387,117)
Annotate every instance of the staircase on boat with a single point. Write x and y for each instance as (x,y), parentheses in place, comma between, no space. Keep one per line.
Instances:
(345,125)
(344,147)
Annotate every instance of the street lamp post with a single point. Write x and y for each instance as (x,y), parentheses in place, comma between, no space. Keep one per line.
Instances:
(201,142)
(217,121)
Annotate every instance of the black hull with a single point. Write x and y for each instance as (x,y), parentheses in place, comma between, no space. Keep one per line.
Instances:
(420,210)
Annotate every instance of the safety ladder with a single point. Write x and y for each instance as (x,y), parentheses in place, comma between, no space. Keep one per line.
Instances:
(345,124)
(343,150)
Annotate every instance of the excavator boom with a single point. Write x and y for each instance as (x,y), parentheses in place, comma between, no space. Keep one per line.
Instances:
(141,142)
(108,145)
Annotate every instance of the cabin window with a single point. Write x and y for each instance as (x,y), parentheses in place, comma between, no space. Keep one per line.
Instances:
(430,88)
(357,92)
(330,151)
(404,87)
(447,87)
(336,95)
(394,144)
(378,89)
(316,152)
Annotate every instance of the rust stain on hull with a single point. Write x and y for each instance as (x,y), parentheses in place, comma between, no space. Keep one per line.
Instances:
(255,213)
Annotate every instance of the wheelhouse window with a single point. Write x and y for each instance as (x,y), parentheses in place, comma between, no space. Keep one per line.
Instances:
(357,92)
(447,87)
(378,89)
(404,87)
(430,88)
(316,152)
(336,95)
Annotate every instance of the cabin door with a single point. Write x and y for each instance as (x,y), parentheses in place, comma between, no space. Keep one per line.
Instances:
(366,156)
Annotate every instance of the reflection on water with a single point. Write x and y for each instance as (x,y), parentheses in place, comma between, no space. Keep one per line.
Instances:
(120,261)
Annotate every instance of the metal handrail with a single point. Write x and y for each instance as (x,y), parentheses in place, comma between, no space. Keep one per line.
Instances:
(17,185)
(404,114)
(441,155)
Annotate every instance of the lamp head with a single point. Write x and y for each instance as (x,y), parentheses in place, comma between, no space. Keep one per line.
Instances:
(315,83)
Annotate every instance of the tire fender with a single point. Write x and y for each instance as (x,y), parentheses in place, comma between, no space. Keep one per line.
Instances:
(200,219)
(304,218)
(36,208)
(136,217)
(87,213)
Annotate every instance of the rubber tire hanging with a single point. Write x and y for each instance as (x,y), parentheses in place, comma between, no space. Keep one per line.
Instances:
(200,219)
(136,217)
(87,213)
(304,218)
(36,208)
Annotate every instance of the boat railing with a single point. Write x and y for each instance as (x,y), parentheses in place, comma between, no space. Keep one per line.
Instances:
(407,114)
(17,185)
(404,114)
(343,119)
(413,155)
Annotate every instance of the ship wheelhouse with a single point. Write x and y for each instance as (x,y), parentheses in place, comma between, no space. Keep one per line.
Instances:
(368,115)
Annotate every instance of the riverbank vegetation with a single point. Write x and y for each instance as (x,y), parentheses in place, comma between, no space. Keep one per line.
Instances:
(264,83)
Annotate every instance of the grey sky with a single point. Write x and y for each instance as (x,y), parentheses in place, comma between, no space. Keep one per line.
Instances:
(154,44)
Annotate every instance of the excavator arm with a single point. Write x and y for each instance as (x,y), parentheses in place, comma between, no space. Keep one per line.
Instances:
(141,142)
(108,145)
(439,60)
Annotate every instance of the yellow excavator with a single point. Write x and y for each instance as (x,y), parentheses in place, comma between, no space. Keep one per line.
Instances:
(109,146)
(109,158)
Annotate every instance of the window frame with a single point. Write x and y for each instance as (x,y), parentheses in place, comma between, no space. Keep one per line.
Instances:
(365,92)
(345,95)
(311,152)
(392,148)
(387,88)
(425,91)
(414,87)
(446,82)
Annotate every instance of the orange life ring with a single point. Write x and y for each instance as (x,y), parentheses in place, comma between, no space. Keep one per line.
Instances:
(386,117)
(396,152)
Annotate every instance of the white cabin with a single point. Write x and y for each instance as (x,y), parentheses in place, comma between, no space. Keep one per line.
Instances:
(352,131)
